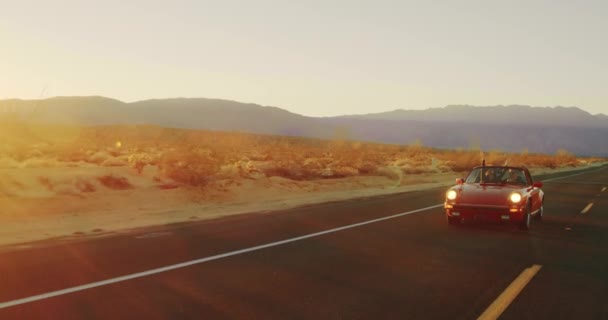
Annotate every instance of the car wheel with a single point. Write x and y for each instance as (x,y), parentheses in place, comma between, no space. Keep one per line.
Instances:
(525,223)
(541,212)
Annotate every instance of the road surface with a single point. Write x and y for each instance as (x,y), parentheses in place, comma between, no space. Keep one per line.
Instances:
(386,257)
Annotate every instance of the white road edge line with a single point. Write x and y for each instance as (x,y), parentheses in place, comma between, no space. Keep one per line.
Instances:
(48,295)
(511,292)
(587,208)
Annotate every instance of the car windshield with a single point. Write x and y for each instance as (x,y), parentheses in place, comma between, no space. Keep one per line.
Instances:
(498,175)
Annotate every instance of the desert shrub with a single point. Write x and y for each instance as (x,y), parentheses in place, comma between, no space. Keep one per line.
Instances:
(366,167)
(115,182)
(315,163)
(401,162)
(546,162)
(231,171)
(38,163)
(195,168)
(257,156)
(139,160)
(496,158)
(287,169)
(536,160)
(460,161)
(393,173)
(346,171)
(99,157)
(338,172)
(565,158)
(194,157)
(74,186)
(596,160)
(83,185)
(69,155)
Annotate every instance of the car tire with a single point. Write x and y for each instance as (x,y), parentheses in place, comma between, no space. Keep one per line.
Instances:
(541,212)
(525,223)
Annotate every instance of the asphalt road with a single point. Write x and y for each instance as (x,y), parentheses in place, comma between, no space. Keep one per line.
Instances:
(412,266)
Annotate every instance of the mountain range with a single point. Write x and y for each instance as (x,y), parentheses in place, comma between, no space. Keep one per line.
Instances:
(509,128)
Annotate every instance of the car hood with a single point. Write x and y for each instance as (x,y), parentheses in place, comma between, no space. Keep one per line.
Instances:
(485,194)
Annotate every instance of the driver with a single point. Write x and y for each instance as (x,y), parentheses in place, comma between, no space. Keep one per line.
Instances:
(489,176)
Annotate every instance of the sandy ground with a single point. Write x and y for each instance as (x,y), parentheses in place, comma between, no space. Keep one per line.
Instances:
(43,203)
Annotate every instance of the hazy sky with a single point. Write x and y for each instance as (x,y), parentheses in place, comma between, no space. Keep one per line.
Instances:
(310,57)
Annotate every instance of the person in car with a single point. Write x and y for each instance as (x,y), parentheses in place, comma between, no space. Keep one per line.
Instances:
(489,176)
(515,177)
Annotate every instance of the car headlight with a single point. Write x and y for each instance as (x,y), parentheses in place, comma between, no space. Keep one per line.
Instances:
(451,195)
(515,197)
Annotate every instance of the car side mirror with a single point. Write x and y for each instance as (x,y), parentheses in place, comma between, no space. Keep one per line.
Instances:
(537,184)
(459,181)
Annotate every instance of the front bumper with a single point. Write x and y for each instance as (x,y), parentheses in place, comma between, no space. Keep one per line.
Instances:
(495,213)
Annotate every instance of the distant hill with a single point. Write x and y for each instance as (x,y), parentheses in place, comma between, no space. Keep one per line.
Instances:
(194,113)
(509,128)
(508,115)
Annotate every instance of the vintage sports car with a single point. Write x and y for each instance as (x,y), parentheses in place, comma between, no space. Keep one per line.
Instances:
(494,193)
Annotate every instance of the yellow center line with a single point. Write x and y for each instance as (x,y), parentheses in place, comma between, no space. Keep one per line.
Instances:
(511,292)
(587,208)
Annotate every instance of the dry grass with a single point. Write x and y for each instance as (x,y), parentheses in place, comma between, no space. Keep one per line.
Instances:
(198,157)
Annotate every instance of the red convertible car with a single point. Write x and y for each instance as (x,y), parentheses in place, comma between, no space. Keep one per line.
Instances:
(493,193)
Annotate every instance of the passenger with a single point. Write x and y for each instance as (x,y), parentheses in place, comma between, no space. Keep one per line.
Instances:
(489,176)
(515,177)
